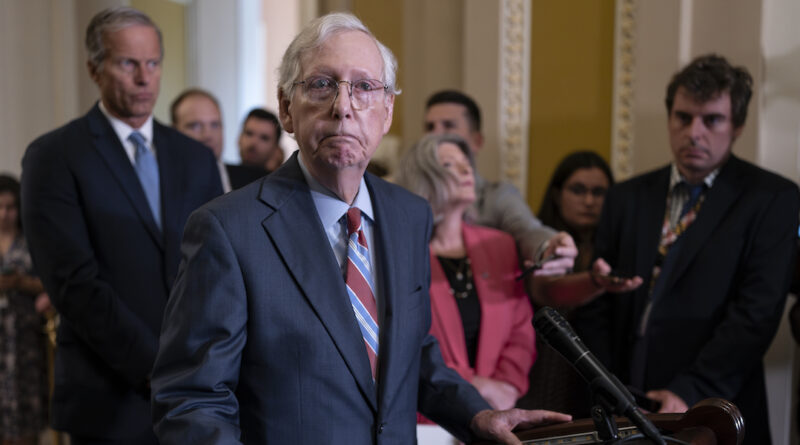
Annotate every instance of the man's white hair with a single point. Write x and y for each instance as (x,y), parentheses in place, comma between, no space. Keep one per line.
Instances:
(313,36)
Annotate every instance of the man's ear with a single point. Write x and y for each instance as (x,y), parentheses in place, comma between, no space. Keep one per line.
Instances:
(283,112)
(387,123)
(93,71)
(477,141)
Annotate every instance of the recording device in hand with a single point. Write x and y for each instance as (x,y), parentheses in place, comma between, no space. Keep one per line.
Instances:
(606,388)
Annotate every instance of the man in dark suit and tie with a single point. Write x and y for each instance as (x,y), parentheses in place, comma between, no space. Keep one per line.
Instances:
(713,237)
(301,310)
(105,199)
(196,114)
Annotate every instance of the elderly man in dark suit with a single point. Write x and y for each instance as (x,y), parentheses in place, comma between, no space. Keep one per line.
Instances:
(301,311)
(105,199)
(713,236)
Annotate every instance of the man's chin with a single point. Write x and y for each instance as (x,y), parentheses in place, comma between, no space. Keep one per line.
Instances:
(343,161)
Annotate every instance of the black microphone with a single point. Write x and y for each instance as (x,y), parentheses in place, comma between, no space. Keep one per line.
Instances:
(557,333)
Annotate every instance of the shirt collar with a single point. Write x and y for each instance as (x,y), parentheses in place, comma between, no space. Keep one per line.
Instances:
(329,207)
(124,130)
(675,177)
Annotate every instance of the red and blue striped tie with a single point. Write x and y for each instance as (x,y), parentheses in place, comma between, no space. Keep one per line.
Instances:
(360,286)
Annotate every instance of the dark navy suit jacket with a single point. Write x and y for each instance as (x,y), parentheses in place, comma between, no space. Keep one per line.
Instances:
(718,309)
(260,344)
(107,267)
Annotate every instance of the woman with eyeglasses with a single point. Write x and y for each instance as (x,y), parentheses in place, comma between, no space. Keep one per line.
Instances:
(572,203)
(480,312)
(574,199)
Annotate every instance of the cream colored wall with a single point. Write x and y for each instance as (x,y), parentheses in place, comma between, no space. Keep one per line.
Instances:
(170,18)
(433,57)
(44,81)
(780,92)
(779,150)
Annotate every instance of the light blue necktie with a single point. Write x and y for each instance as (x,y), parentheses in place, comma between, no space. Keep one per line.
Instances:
(147,170)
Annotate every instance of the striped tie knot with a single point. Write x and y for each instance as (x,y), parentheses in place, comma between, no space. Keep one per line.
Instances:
(354,225)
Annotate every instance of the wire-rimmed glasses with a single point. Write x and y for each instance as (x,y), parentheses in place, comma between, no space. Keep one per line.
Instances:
(363,92)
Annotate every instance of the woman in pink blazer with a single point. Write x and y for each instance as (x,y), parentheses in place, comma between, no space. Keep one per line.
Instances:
(480,312)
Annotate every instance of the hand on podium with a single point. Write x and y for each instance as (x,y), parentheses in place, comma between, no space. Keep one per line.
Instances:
(497,425)
(670,402)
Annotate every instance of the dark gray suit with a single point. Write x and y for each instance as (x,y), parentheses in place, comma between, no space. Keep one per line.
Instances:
(107,267)
(260,344)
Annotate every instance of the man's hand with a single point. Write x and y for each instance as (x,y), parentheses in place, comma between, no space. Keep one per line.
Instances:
(42,303)
(670,402)
(497,425)
(561,248)
(500,395)
(609,283)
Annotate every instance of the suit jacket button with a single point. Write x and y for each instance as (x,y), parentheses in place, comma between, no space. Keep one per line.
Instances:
(380,427)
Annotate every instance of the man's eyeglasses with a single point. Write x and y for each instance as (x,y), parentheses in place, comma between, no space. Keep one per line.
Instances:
(582,190)
(363,92)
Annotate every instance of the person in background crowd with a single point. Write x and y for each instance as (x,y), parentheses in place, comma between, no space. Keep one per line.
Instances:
(574,199)
(275,159)
(499,204)
(104,202)
(23,368)
(713,237)
(260,138)
(481,314)
(572,203)
(196,113)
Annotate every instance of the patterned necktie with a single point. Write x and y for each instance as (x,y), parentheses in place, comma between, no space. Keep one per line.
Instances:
(147,170)
(694,196)
(359,286)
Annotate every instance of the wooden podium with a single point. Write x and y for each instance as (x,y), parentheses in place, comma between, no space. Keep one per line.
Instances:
(710,422)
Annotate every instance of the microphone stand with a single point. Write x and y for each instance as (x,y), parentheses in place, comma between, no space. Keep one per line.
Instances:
(609,395)
(608,399)
(604,422)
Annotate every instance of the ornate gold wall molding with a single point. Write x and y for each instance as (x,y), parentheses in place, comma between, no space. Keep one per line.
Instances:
(622,118)
(514,91)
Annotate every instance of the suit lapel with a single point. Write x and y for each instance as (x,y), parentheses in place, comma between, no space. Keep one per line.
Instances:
(649,219)
(393,258)
(170,172)
(110,149)
(300,240)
